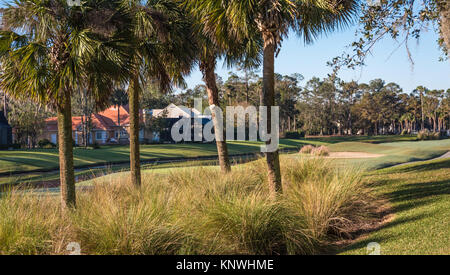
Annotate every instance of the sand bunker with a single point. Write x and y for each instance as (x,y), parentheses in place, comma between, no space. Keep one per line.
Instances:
(353,155)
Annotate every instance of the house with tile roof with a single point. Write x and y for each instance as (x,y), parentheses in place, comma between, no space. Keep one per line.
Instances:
(110,126)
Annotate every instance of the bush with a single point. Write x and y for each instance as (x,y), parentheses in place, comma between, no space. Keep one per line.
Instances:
(194,211)
(331,201)
(46,144)
(321,151)
(423,135)
(14,146)
(427,135)
(436,136)
(307,149)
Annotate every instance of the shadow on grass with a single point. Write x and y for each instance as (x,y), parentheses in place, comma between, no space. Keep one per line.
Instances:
(361,244)
(408,192)
(423,167)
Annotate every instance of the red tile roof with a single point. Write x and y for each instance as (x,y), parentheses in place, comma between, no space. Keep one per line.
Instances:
(106,120)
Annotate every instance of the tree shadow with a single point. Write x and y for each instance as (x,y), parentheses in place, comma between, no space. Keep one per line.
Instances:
(406,193)
(423,167)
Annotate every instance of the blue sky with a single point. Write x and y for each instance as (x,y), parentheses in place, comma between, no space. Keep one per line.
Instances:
(310,60)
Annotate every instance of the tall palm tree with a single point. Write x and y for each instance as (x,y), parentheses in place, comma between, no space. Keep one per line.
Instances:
(272,20)
(163,52)
(421,90)
(47,48)
(213,46)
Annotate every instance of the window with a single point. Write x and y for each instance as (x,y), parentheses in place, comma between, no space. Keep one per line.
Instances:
(100,135)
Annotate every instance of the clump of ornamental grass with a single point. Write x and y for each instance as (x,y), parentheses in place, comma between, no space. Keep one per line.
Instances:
(321,151)
(307,149)
(194,211)
(31,224)
(118,218)
(332,201)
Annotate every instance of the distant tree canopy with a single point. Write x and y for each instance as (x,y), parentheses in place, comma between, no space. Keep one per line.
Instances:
(332,106)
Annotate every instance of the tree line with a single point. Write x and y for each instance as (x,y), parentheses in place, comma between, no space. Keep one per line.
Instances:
(329,106)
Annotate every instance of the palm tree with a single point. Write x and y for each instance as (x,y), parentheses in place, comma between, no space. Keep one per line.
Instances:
(272,20)
(421,91)
(119,98)
(213,46)
(47,48)
(163,52)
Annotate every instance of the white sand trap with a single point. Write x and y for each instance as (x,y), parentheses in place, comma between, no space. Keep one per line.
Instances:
(353,155)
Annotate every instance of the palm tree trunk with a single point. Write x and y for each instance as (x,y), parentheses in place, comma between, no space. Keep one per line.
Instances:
(208,67)
(422,126)
(135,165)
(85,118)
(118,115)
(5,106)
(434,122)
(295,124)
(67,177)
(268,98)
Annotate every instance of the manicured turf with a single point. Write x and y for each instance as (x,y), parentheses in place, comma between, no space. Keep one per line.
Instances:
(420,197)
(394,152)
(419,193)
(366,139)
(29,160)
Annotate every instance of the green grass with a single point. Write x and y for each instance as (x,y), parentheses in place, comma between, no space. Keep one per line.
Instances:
(394,153)
(87,174)
(29,160)
(35,159)
(420,197)
(194,211)
(366,139)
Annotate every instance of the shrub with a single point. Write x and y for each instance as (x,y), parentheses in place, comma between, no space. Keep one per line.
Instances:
(427,135)
(436,136)
(307,149)
(46,144)
(14,146)
(321,151)
(331,201)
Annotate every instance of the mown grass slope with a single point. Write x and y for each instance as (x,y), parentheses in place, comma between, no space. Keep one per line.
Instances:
(29,160)
(420,197)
